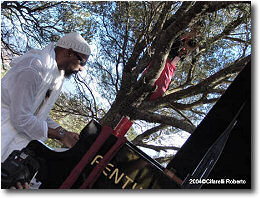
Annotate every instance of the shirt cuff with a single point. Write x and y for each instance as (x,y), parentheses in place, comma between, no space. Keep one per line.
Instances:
(52,124)
(45,135)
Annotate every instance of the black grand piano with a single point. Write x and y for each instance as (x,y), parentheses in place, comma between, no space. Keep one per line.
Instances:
(217,154)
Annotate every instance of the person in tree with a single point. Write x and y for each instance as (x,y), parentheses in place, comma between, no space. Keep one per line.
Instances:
(183,46)
(31,87)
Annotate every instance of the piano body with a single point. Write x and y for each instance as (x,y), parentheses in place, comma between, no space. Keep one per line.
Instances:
(130,168)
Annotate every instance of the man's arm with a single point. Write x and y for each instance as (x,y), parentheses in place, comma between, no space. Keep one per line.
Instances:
(53,132)
(67,138)
(51,123)
(22,96)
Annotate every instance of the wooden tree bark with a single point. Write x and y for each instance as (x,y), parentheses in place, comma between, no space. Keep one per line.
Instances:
(133,94)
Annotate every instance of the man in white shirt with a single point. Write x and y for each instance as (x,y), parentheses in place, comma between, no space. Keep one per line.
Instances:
(31,87)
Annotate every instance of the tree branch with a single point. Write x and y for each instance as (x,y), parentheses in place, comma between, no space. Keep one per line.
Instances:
(199,88)
(157,118)
(159,148)
(147,133)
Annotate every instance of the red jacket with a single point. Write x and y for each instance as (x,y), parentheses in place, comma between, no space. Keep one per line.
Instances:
(165,78)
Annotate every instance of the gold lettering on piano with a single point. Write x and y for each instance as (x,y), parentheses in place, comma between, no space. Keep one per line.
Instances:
(115,174)
(128,180)
(107,168)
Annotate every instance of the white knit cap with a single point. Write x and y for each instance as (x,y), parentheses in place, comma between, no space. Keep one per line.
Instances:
(74,41)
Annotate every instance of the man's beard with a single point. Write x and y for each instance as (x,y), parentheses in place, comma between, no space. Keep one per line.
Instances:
(68,73)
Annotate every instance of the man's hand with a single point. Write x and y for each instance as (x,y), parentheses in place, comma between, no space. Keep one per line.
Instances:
(69,139)
(20,186)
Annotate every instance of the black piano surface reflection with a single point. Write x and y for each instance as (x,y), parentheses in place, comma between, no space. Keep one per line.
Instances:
(130,168)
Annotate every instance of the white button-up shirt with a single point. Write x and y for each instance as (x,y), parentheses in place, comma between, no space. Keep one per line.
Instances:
(24,103)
